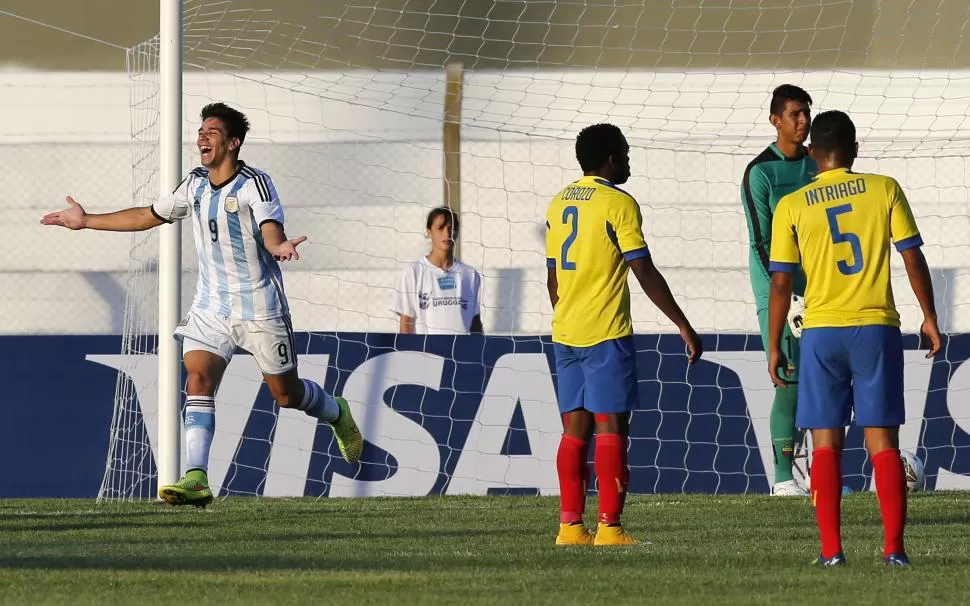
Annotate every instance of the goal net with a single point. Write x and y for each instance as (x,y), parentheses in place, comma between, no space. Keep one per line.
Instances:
(347,102)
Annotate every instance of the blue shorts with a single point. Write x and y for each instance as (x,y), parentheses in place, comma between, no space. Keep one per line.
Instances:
(858,367)
(601,379)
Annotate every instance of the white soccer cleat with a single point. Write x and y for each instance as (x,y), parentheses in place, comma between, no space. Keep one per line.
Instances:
(789,488)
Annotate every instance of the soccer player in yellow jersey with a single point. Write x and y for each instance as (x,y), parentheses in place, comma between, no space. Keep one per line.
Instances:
(594,237)
(839,227)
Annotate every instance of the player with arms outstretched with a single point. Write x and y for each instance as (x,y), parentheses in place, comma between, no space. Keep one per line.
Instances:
(840,228)
(237,222)
(594,237)
(780,169)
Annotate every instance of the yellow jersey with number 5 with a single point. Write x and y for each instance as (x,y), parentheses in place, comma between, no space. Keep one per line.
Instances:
(592,229)
(840,228)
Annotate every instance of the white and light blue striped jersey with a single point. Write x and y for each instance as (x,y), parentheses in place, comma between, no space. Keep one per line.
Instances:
(238,278)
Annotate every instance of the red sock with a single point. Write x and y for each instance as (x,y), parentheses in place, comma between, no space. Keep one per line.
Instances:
(891,491)
(612,475)
(573,477)
(827,498)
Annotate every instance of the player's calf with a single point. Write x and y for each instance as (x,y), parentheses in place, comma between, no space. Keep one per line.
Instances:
(290,391)
(573,478)
(890,482)
(300,394)
(827,499)
(610,461)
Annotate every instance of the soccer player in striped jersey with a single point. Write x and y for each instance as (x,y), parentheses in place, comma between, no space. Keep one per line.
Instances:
(237,223)
(780,169)
(840,227)
(594,237)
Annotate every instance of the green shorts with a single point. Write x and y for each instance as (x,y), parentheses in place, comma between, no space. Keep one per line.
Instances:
(789,346)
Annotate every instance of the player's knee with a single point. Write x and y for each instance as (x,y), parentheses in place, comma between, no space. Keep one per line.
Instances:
(578,424)
(612,423)
(200,384)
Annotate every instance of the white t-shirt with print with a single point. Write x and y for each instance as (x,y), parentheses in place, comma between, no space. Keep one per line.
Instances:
(441,301)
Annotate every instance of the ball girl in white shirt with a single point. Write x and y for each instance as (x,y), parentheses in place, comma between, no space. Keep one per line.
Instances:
(438,294)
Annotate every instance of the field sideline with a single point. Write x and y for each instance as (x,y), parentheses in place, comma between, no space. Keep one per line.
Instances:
(469,550)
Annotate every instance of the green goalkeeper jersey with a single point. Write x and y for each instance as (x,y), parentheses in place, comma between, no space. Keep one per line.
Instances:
(768,178)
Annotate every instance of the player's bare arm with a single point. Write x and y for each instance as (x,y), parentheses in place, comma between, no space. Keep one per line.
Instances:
(655,287)
(779,300)
(277,244)
(552,285)
(922,284)
(406,326)
(129,219)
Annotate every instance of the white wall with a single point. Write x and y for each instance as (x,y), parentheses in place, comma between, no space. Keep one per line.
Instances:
(356,158)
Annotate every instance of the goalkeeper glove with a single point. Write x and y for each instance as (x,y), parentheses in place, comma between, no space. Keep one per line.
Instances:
(795,313)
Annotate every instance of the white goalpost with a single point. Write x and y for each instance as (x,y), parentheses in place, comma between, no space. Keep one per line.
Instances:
(369,113)
(170,242)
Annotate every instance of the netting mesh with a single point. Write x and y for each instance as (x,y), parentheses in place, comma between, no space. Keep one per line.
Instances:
(346,104)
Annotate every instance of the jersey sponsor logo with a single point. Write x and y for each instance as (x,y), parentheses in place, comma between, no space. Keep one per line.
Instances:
(446,282)
(232,204)
(449,301)
(497,447)
(425,300)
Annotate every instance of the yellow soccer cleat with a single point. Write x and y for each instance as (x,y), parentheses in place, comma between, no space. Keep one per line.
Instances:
(349,440)
(192,489)
(613,535)
(574,534)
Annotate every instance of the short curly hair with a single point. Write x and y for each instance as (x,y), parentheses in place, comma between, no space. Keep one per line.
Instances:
(595,144)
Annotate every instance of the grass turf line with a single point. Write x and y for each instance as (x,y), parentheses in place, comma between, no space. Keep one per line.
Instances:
(469,550)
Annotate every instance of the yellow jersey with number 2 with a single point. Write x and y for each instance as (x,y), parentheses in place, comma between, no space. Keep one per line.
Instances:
(593,229)
(840,227)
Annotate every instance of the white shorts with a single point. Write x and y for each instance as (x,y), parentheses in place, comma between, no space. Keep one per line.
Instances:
(271,342)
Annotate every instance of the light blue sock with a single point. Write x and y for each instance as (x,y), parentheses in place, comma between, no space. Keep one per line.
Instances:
(200,426)
(317,403)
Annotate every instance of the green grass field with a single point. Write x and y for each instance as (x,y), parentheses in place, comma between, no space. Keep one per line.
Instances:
(491,550)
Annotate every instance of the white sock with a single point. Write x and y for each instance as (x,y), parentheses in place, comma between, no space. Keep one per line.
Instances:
(318,403)
(200,426)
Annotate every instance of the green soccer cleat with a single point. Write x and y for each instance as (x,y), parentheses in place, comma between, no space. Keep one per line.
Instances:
(192,489)
(349,440)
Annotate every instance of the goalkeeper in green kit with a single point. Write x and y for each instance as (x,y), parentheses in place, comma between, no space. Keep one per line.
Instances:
(783,167)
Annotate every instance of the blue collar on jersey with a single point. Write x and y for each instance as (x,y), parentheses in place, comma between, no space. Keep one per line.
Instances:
(609,184)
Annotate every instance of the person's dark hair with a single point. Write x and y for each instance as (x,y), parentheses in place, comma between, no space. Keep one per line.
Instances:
(237,125)
(595,144)
(833,131)
(785,93)
(443,211)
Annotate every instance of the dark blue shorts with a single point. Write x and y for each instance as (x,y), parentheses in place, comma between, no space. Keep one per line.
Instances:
(601,378)
(858,367)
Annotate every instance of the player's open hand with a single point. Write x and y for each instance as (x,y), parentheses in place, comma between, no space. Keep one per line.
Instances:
(777,361)
(694,345)
(930,334)
(286,251)
(71,218)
